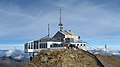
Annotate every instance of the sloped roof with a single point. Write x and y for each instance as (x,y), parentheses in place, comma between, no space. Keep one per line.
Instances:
(66,33)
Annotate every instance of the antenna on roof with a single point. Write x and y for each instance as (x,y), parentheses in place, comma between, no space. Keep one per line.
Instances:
(48,30)
(60,24)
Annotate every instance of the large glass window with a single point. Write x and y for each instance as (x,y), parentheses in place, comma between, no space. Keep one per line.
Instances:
(26,45)
(31,43)
(56,45)
(29,46)
(43,45)
(46,45)
(40,45)
(35,44)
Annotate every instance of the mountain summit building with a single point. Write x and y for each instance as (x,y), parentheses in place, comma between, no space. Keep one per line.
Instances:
(63,39)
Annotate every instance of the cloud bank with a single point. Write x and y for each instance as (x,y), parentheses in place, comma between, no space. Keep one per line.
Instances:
(95,21)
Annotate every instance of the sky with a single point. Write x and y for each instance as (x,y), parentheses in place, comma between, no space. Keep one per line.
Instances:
(95,21)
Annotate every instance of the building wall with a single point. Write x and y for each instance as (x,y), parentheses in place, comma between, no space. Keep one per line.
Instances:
(75,38)
(59,36)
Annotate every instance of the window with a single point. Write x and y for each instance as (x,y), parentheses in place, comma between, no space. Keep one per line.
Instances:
(50,45)
(29,47)
(34,46)
(26,45)
(61,45)
(77,44)
(81,44)
(40,45)
(55,45)
(84,44)
(37,46)
(45,45)
(31,43)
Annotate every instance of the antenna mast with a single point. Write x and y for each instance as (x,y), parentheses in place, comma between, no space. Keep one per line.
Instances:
(60,24)
(48,30)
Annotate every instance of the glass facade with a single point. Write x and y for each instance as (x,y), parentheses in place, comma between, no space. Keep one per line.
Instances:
(43,45)
(56,45)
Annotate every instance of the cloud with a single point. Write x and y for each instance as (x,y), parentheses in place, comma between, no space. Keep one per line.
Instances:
(92,20)
(11,46)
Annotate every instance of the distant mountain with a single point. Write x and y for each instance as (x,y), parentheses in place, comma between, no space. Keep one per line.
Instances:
(11,63)
(14,54)
(106,53)
(13,58)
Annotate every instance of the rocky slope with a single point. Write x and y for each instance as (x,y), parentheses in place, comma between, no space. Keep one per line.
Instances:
(109,61)
(64,58)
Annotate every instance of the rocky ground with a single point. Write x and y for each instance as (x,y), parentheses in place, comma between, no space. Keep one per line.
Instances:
(63,58)
(109,61)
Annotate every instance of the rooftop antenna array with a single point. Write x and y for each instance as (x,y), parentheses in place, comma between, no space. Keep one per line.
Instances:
(60,24)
